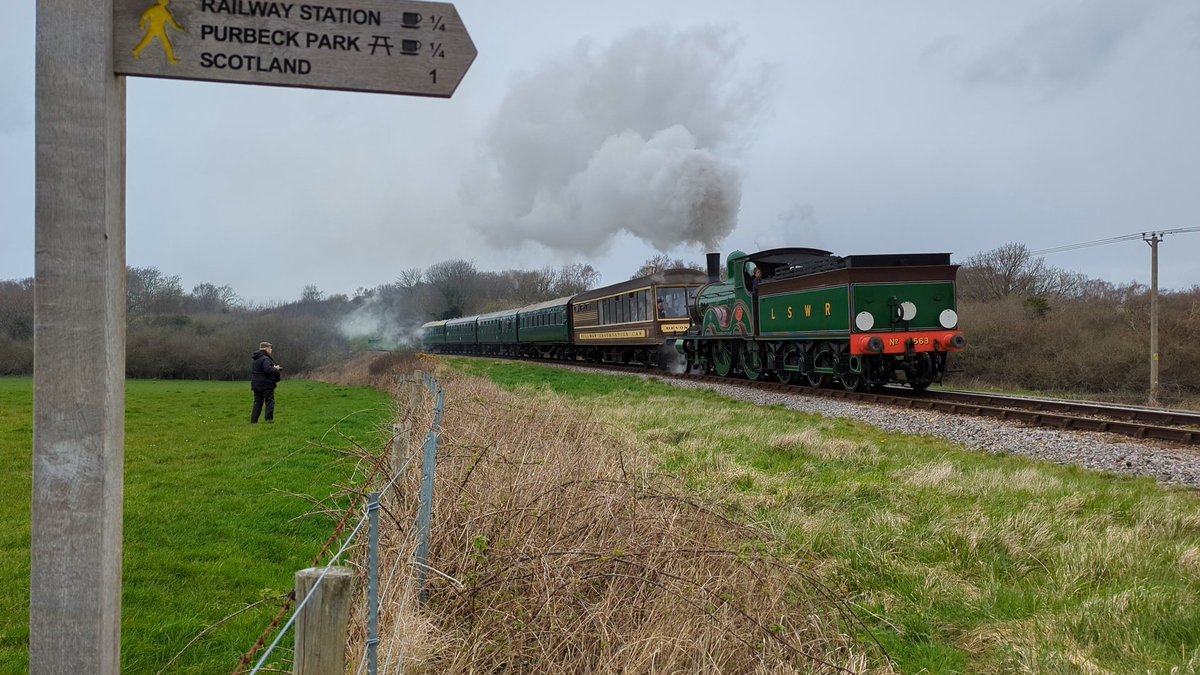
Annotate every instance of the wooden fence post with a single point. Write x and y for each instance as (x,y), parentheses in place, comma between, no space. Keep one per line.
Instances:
(321,626)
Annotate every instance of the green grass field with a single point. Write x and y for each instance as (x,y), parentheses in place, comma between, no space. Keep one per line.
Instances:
(212,520)
(959,561)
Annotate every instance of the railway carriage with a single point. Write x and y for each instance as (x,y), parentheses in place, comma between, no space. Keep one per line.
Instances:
(462,335)
(631,321)
(815,317)
(497,333)
(433,335)
(545,329)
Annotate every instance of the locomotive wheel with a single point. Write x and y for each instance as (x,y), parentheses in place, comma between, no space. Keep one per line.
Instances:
(816,380)
(853,381)
(920,385)
(751,360)
(722,352)
(788,376)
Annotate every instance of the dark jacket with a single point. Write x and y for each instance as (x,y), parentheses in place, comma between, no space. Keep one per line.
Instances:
(263,374)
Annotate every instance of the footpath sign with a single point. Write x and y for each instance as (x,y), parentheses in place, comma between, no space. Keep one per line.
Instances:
(84,50)
(414,48)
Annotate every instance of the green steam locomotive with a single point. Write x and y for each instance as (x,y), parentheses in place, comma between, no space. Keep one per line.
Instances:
(803,315)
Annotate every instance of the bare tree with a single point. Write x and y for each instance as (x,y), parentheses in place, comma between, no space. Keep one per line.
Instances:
(311,294)
(454,285)
(212,299)
(149,291)
(574,279)
(410,278)
(1011,270)
(661,262)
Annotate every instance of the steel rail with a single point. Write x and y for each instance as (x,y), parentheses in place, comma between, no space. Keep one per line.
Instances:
(1142,423)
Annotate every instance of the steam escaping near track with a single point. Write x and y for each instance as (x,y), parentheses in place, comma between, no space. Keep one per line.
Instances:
(376,320)
(625,138)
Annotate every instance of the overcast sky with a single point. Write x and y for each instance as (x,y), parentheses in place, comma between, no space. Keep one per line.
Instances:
(595,132)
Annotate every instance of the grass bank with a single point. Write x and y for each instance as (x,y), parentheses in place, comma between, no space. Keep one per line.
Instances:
(214,520)
(960,561)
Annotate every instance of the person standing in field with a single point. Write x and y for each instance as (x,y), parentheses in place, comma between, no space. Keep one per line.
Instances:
(264,377)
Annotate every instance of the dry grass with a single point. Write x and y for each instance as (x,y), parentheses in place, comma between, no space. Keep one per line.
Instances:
(1189,560)
(558,548)
(368,369)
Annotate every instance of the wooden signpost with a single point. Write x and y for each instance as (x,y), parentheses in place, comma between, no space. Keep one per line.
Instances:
(413,48)
(84,50)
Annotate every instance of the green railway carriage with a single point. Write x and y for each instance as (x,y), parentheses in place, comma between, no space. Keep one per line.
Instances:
(497,333)
(630,322)
(862,320)
(433,335)
(462,334)
(544,329)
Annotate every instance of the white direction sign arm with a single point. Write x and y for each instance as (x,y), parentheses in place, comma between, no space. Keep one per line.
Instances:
(412,48)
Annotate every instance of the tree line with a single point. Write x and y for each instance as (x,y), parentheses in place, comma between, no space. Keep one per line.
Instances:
(1029,325)
(210,332)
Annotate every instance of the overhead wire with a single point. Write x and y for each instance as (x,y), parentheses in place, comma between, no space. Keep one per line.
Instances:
(1112,240)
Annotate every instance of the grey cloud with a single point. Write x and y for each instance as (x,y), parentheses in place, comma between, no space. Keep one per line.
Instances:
(1063,48)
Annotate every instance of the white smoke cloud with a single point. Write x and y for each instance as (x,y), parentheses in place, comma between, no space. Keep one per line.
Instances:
(630,138)
(376,320)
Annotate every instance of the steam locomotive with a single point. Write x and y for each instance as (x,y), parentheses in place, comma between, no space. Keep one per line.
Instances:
(799,315)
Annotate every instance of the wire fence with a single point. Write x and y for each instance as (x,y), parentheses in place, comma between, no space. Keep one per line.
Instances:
(368,522)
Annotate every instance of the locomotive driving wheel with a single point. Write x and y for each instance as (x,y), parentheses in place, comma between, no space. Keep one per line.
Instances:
(722,357)
(781,373)
(853,381)
(752,359)
(787,376)
(816,380)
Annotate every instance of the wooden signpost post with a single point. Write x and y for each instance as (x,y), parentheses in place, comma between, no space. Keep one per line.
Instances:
(84,50)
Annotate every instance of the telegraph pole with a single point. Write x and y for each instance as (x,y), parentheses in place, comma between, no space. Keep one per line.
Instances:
(1152,238)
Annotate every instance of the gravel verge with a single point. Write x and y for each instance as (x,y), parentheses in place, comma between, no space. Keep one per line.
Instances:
(1169,465)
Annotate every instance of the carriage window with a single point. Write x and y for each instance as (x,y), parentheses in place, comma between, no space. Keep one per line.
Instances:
(672,303)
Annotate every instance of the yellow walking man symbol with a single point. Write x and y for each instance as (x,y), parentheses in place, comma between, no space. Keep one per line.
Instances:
(159,17)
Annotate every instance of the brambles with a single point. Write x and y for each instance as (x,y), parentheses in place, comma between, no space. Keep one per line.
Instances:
(559,547)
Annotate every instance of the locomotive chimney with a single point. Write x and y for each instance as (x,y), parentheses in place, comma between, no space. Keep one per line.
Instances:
(714,267)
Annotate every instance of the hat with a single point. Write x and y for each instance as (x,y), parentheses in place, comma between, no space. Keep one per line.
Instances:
(265,345)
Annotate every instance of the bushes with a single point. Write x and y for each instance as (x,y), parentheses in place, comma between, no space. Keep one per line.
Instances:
(219,347)
(16,356)
(1097,345)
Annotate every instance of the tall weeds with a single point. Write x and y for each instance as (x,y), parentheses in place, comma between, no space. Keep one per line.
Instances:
(558,548)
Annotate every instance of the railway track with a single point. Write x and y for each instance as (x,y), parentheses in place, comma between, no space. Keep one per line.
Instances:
(1143,423)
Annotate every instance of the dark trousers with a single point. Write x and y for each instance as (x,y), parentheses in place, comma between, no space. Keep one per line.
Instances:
(263,397)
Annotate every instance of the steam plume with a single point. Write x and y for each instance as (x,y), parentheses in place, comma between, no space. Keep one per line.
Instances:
(621,139)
